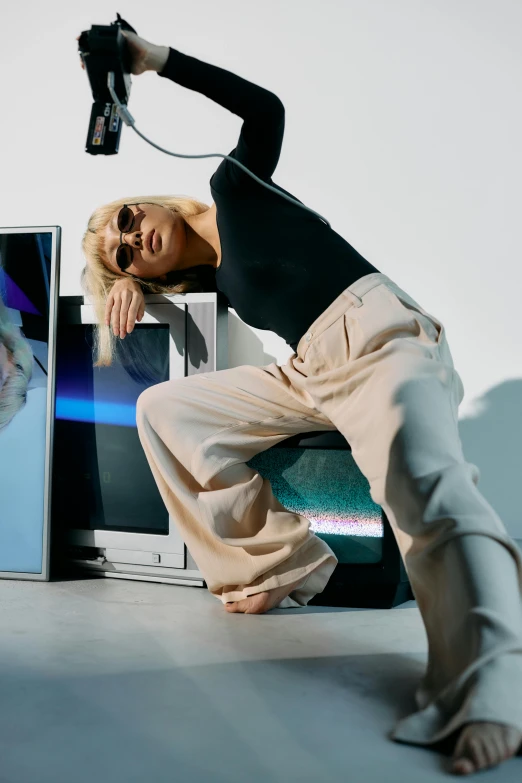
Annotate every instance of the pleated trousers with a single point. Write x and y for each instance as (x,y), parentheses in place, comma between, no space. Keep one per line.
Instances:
(377,367)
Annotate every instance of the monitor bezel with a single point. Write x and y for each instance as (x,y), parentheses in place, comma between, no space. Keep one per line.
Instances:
(56,233)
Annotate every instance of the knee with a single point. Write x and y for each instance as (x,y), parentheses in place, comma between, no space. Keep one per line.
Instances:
(152,399)
(171,401)
(148,395)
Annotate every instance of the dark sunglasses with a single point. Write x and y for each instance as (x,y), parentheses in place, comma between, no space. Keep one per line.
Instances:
(125,253)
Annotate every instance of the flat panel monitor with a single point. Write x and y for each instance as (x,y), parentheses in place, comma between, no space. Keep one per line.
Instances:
(29,274)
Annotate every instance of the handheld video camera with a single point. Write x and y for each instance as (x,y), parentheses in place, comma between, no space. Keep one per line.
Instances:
(107,60)
(103,48)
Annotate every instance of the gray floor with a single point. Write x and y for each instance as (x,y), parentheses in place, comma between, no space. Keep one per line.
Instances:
(113,680)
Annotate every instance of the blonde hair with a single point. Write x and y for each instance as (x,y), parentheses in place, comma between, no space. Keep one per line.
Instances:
(13,392)
(97,279)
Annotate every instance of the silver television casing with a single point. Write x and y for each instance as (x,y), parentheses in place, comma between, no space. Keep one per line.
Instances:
(56,233)
(198,328)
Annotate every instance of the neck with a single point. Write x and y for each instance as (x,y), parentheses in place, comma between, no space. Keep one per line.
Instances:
(201,233)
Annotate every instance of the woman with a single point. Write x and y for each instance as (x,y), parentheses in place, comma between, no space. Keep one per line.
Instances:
(368,361)
(16,368)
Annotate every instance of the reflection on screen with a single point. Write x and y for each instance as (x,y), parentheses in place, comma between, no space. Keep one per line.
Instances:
(25,277)
(102,478)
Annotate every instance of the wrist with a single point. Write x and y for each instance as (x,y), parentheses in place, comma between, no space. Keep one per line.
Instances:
(158,58)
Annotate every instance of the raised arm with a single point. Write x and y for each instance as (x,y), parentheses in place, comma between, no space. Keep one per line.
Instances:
(261,137)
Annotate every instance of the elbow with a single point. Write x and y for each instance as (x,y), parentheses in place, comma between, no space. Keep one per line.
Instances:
(278,104)
(270,103)
(274,110)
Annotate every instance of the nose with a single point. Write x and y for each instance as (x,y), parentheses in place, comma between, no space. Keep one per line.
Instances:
(135,238)
(3,364)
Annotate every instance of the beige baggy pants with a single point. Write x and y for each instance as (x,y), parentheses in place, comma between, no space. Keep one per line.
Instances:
(377,367)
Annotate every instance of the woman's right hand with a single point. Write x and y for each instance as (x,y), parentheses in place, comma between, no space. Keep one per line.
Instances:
(125,304)
(145,56)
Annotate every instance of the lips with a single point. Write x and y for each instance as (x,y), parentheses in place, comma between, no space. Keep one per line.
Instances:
(148,241)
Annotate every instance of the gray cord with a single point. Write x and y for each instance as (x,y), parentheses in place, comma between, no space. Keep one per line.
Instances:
(128,119)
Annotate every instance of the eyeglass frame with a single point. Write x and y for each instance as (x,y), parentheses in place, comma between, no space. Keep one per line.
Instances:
(122,243)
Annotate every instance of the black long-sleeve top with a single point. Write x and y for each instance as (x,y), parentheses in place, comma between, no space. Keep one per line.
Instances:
(281,266)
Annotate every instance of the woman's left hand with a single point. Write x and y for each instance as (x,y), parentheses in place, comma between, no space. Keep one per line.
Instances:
(145,56)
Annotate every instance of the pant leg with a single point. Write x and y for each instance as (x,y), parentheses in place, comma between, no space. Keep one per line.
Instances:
(379,367)
(197,433)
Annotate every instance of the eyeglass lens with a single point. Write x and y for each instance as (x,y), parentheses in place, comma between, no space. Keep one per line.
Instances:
(124,253)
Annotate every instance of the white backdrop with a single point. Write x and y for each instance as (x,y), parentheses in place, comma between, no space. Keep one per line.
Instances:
(403,128)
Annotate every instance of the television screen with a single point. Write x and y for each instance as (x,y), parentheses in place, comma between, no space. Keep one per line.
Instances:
(327,487)
(29,259)
(100,468)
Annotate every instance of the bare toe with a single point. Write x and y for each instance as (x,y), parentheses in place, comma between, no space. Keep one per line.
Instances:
(254,604)
(482,745)
(463,766)
(259,603)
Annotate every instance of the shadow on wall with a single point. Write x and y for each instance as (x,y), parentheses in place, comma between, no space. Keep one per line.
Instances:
(491,438)
(244,345)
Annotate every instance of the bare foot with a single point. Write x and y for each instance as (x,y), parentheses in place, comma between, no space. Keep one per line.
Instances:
(482,745)
(259,603)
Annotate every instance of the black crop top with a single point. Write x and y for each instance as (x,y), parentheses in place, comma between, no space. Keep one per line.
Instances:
(281,266)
